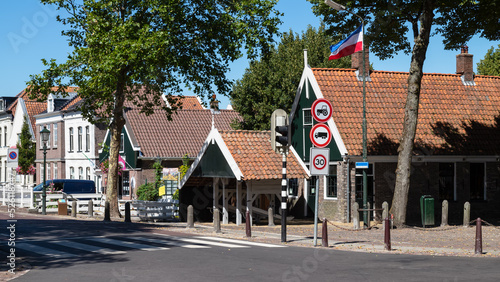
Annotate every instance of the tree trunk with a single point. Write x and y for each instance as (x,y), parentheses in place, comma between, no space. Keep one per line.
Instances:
(115,128)
(405,150)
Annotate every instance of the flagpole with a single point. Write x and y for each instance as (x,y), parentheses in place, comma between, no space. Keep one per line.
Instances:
(339,7)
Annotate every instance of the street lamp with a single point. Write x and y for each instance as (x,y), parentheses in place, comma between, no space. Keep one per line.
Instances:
(339,7)
(45,134)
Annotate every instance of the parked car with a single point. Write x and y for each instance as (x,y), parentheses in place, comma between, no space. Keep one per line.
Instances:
(69,186)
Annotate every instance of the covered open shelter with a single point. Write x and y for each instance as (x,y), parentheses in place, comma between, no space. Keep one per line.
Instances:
(238,171)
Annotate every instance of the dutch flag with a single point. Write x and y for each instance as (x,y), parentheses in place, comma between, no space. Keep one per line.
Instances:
(348,46)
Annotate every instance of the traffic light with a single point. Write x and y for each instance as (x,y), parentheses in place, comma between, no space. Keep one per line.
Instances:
(279,130)
(283,138)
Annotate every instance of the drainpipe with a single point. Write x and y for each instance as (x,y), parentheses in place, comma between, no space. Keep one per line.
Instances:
(348,193)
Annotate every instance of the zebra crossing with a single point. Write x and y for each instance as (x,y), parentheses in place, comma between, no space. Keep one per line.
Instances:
(114,245)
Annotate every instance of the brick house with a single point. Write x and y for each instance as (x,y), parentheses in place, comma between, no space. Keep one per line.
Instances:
(457,145)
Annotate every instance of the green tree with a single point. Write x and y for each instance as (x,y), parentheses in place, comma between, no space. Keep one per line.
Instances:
(124,46)
(490,65)
(387,24)
(270,83)
(27,150)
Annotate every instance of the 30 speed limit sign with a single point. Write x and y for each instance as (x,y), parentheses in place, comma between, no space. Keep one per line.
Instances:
(320,157)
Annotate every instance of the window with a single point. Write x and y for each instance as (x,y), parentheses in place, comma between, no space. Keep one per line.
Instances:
(122,144)
(308,120)
(293,187)
(42,170)
(1,137)
(49,176)
(80,136)
(126,183)
(447,181)
(477,182)
(71,139)
(54,134)
(55,170)
(5,135)
(87,138)
(71,173)
(331,189)
(170,187)
(80,173)
(87,176)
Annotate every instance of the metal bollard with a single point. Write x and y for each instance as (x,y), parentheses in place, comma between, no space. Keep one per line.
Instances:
(479,238)
(73,208)
(217,221)
(107,216)
(387,234)
(127,212)
(248,225)
(190,217)
(270,216)
(324,233)
(91,208)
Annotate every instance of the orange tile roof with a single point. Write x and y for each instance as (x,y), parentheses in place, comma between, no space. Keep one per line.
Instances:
(184,134)
(453,118)
(256,159)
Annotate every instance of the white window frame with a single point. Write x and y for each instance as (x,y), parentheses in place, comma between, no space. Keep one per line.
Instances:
(54,135)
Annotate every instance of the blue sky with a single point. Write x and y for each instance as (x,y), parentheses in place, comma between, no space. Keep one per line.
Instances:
(29,32)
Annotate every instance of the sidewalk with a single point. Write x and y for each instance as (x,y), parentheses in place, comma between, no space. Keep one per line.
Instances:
(445,241)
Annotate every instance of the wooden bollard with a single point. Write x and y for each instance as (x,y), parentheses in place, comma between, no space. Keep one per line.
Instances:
(355,215)
(107,216)
(270,216)
(73,208)
(385,213)
(324,233)
(190,217)
(127,212)
(90,208)
(248,225)
(444,213)
(466,214)
(217,221)
(478,250)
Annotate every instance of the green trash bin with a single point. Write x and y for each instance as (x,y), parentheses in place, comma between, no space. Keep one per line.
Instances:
(427,210)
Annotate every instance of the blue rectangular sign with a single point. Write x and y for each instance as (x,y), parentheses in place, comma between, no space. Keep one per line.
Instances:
(362,165)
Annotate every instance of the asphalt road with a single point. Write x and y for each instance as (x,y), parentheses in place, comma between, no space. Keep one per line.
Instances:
(77,250)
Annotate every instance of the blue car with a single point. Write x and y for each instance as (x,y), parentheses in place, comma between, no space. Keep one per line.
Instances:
(69,186)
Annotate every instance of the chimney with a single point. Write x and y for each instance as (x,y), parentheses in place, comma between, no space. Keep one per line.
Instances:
(464,66)
(357,63)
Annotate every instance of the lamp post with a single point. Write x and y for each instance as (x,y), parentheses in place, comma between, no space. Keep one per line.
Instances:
(45,134)
(339,7)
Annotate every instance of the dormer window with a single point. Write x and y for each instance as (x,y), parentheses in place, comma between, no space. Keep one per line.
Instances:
(2,105)
(50,104)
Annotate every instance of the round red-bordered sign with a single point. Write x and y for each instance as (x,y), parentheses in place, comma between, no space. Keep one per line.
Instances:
(321,110)
(12,155)
(319,162)
(320,135)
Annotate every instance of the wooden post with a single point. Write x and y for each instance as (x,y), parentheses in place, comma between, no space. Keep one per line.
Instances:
(466,214)
(248,224)
(90,208)
(127,212)
(270,216)
(385,213)
(190,217)
(216,220)
(73,208)
(107,216)
(387,234)
(324,233)
(444,213)
(355,215)
(368,218)
(479,238)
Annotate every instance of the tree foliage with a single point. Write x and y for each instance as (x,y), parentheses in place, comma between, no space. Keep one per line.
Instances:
(27,150)
(270,83)
(387,24)
(160,46)
(490,64)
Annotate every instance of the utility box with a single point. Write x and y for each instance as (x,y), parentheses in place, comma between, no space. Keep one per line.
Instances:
(62,207)
(427,210)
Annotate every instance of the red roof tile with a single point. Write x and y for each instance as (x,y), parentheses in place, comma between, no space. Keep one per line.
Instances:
(184,134)
(453,118)
(256,159)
